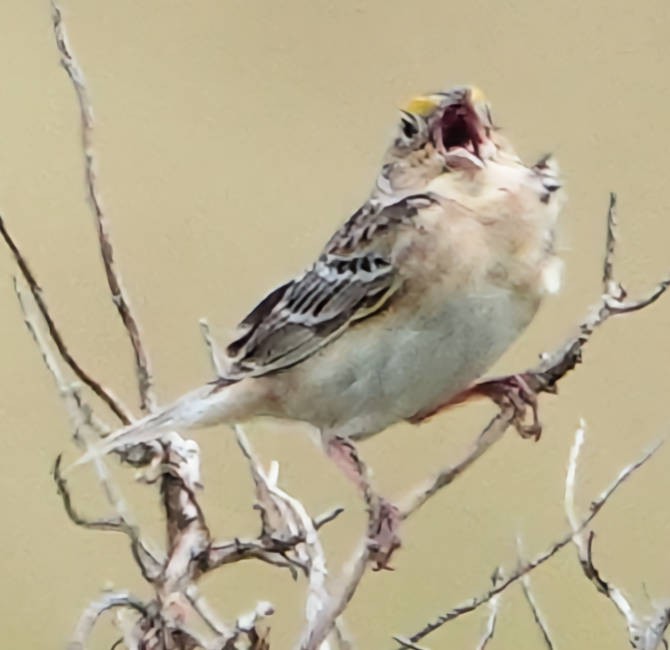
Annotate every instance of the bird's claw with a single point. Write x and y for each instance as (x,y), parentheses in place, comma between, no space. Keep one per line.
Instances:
(516,391)
(383,538)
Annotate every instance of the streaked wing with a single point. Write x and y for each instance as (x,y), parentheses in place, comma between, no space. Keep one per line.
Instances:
(353,278)
(301,316)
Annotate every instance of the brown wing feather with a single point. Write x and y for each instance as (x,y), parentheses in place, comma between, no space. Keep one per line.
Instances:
(348,282)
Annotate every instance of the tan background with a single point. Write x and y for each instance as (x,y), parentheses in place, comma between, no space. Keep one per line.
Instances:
(233,137)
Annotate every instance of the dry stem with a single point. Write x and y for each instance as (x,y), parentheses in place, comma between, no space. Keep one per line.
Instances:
(119,297)
(596,505)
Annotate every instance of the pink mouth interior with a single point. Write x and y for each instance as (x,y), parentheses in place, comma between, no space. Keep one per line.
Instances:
(459,127)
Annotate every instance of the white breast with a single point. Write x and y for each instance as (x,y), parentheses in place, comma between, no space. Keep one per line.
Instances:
(376,375)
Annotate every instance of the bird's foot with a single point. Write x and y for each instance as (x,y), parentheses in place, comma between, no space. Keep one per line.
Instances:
(383,538)
(383,516)
(517,391)
(514,391)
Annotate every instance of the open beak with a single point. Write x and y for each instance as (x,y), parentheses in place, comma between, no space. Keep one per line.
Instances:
(463,129)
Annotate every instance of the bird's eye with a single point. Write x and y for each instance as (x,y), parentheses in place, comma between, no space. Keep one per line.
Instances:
(409,127)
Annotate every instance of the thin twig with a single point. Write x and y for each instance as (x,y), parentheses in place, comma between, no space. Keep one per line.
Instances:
(118,293)
(212,347)
(552,367)
(488,437)
(494,607)
(643,634)
(203,609)
(150,565)
(610,246)
(556,365)
(103,393)
(268,550)
(327,517)
(321,627)
(285,516)
(407,644)
(81,417)
(96,609)
(538,617)
(474,603)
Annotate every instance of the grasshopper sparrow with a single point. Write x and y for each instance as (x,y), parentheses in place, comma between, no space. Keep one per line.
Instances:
(410,301)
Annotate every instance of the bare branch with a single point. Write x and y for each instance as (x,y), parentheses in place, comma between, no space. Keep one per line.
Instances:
(96,609)
(247,626)
(212,347)
(534,607)
(103,393)
(610,247)
(118,293)
(319,628)
(205,612)
(283,517)
(82,418)
(270,551)
(552,367)
(406,643)
(474,603)
(78,410)
(643,634)
(149,564)
(494,606)
(327,517)
(489,436)
(491,620)
(566,357)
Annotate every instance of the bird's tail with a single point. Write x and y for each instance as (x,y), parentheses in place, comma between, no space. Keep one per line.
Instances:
(206,406)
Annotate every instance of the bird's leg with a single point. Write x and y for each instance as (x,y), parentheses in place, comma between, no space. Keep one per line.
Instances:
(384,520)
(514,390)
(517,391)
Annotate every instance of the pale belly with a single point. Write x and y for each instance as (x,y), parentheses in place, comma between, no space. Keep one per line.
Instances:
(375,376)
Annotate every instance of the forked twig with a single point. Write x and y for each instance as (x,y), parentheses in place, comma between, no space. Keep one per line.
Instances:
(643,633)
(474,603)
(103,393)
(150,565)
(96,609)
(494,607)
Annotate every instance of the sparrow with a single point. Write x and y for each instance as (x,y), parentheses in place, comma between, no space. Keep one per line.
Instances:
(408,304)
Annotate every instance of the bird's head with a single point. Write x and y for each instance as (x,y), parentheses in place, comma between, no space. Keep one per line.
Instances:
(437,133)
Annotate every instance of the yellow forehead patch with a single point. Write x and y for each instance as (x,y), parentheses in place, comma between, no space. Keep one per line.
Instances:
(423,105)
(477,96)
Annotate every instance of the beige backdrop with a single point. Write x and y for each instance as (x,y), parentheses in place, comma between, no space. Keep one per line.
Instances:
(233,137)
